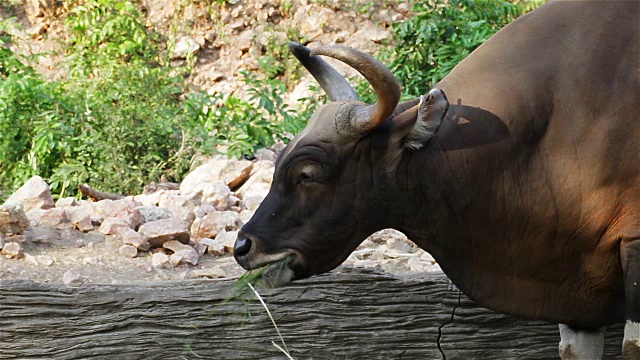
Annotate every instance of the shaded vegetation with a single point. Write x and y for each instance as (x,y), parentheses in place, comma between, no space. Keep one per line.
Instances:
(124,117)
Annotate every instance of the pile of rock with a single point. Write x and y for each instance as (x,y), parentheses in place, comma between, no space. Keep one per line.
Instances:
(176,226)
(170,229)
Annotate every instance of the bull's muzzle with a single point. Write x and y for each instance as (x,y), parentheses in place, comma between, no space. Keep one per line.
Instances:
(241,250)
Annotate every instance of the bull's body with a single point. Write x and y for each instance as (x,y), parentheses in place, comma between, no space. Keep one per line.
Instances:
(525,211)
(525,189)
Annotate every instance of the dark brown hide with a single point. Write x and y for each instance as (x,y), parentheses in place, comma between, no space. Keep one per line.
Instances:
(523,196)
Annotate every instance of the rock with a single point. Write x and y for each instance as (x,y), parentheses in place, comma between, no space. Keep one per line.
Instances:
(245,40)
(52,218)
(251,203)
(213,223)
(36,9)
(12,250)
(399,244)
(215,171)
(71,277)
(66,202)
(240,179)
(278,147)
(1,241)
(416,265)
(131,237)
(245,216)
(39,235)
(181,206)
(160,231)
(181,253)
(214,248)
(125,209)
(160,260)
(404,8)
(109,226)
(80,219)
(311,20)
(79,243)
(200,248)
(373,33)
(185,46)
(34,194)
(203,209)
(154,213)
(266,155)
(227,239)
(128,251)
(212,272)
(13,220)
(259,183)
(146,267)
(31,259)
(151,199)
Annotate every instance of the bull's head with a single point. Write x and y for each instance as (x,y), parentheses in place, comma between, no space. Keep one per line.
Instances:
(334,183)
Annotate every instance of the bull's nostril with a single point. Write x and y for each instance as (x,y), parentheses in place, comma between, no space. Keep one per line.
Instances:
(242,247)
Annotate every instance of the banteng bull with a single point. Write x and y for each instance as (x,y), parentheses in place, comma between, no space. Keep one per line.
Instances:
(525,187)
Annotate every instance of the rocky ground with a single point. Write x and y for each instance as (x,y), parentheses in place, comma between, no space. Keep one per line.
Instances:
(171,231)
(224,40)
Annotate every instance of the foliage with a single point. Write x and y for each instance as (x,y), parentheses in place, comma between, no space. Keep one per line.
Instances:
(440,34)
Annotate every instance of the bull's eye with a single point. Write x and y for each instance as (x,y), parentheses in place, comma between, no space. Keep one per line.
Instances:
(304,179)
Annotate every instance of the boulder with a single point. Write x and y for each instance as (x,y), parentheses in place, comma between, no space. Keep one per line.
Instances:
(185,46)
(214,248)
(52,218)
(154,213)
(181,206)
(34,194)
(72,277)
(66,202)
(13,220)
(110,226)
(79,218)
(160,231)
(160,260)
(227,239)
(125,209)
(133,238)
(181,253)
(128,251)
(215,222)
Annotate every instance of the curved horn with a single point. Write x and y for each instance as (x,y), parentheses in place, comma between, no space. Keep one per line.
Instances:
(368,117)
(330,80)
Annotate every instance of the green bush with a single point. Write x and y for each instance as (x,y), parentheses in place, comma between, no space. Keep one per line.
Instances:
(440,34)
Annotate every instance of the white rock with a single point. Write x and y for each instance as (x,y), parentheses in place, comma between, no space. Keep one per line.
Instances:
(153,213)
(151,199)
(227,239)
(131,237)
(210,225)
(160,260)
(245,40)
(52,218)
(66,202)
(34,194)
(110,225)
(125,209)
(185,46)
(13,220)
(399,244)
(79,218)
(79,243)
(373,33)
(12,250)
(181,253)
(160,231)
(181,206)
(71,277)
(1,241)
(128,251)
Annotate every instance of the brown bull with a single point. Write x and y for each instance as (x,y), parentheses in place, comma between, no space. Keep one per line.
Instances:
(525,189)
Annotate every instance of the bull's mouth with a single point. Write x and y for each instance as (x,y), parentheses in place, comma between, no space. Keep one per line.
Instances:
(290,258)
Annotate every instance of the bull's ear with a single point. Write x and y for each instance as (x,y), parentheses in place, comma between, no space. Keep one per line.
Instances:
(414,127)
